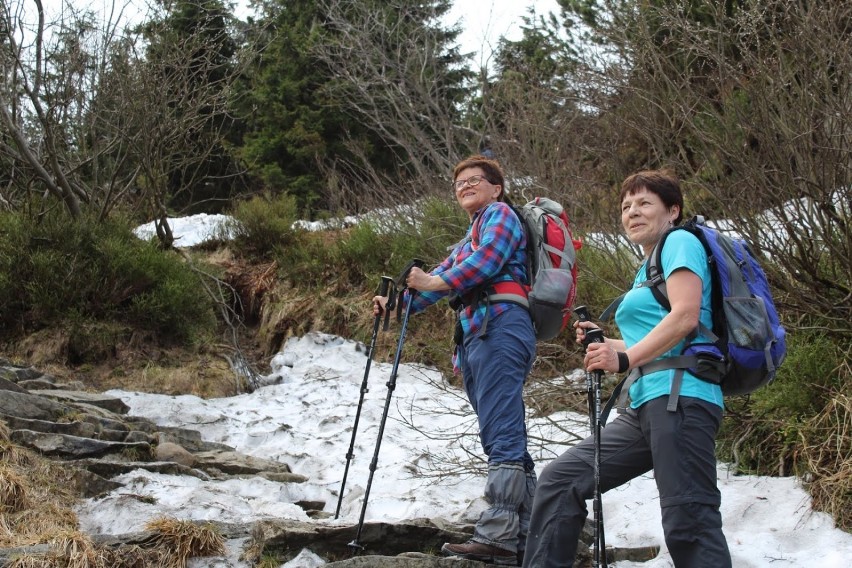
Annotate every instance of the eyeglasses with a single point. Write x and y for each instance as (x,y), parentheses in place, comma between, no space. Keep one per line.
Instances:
(472,181)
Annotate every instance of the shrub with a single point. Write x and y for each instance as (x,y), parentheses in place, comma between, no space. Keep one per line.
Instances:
(336,260)
(763,433)
(443,224)
(602,276)
(64,271)
(182,540)
(263,224)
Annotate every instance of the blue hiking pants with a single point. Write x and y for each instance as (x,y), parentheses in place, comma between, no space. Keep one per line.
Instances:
(679,446)
(494,368)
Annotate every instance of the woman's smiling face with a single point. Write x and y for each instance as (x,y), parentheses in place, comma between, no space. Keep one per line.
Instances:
(474,197)
(645,217)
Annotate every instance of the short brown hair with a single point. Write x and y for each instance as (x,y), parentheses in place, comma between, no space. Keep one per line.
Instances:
(491,168)
(663,183)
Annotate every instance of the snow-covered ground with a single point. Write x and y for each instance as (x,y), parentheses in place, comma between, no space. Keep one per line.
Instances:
(304,418)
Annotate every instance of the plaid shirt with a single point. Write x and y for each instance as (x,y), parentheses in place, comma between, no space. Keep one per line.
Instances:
(493,250)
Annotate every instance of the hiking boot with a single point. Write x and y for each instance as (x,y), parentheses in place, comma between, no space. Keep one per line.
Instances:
(472,550)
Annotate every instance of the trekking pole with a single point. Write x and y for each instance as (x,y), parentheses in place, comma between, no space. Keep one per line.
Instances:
(386,288)
(401,285)
(593,380)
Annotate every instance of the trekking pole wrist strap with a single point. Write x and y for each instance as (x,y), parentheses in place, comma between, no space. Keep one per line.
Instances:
(623,362)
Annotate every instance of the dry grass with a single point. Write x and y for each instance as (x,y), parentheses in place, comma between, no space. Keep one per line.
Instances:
(9,453)
(68,549)
(13,490)
(35,499)
(251,283)
(176,541)
(137,363)
(37,561)
(290,312)
(76,550)
(828,451)
(132,557)
(180,540)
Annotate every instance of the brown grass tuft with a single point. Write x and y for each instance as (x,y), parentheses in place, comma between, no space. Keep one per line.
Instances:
(9,453)
(36,561)
(37,501)
(68,549)
(251,283)
(131,557)
(182,540)
(827,450)
(14,495)
(77,549)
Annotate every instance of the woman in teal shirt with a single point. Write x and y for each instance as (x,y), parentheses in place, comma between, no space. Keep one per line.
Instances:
(676,441)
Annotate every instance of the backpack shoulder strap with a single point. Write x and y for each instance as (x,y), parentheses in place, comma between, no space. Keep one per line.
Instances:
(654,280)
(654,277)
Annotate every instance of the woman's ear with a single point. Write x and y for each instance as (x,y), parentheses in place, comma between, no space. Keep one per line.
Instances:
(674,212)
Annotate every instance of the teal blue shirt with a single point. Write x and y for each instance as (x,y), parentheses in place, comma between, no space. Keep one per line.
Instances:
(639,313)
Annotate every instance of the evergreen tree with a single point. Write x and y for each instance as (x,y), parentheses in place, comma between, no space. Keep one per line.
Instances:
(322,104)
(289,124)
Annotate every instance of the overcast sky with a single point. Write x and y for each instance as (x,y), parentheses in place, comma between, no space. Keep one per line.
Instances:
(483,21)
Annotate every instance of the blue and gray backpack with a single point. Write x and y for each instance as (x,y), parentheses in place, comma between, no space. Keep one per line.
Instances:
(747,342)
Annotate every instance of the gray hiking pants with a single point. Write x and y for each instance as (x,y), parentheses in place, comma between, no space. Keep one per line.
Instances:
(679,446)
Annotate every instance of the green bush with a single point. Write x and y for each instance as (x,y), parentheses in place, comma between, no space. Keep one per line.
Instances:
(443,224)
(309,261)
(362,252)
(602,276)
(59,270)
(175,304)
(264,223)
(385,246)
(807,375)
(763,433)
(340,259)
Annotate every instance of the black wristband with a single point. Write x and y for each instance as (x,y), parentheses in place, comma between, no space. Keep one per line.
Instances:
(623,362)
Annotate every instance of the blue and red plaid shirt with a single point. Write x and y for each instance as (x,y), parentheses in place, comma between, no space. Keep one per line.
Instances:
(493,250)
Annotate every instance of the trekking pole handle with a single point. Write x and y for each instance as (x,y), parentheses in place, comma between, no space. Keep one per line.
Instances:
(384,286)
(403,276)
(591,335)
(402,286)
(388,290)
(594,336)
(582,313)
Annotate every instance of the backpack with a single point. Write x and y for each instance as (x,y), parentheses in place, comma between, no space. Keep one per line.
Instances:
(748,340)
(551,267)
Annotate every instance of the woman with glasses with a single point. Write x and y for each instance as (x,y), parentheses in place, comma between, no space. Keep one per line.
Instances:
(495,349)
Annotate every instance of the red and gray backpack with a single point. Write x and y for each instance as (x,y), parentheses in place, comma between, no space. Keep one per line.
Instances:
(551,266)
